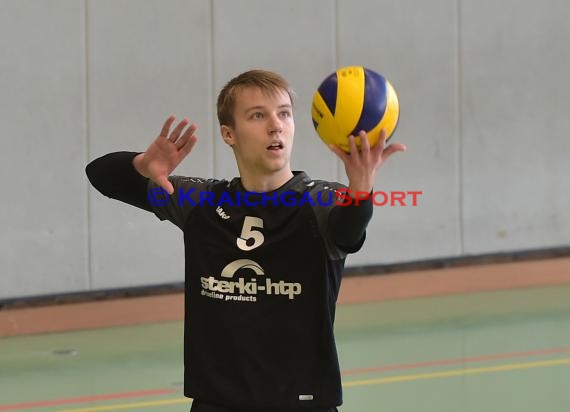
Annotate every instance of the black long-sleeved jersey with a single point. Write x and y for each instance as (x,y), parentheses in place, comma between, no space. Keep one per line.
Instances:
(262,274)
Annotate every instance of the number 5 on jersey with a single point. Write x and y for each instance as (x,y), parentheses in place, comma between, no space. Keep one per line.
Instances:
(250,232)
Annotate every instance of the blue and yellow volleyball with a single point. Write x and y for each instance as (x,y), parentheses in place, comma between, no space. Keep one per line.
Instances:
(352,99)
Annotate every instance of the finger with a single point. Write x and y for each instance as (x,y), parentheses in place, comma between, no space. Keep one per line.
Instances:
(187,134)
(382,139)
(165,184)
(166,126)
(391,149)
(178,130)
(364,142)
(188,146)
(379,146)
(352,144)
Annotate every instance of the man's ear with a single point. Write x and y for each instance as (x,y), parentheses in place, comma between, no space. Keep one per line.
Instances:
(227,134)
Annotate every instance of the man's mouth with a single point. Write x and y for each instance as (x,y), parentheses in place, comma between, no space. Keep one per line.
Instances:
(275,146)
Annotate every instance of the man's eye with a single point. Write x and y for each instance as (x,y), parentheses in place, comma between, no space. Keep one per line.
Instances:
(257,115)
(286,113)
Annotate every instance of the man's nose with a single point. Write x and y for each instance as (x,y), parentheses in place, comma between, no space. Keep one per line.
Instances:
(275,124)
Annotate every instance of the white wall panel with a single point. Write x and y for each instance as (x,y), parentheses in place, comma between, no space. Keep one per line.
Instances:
(516,95)
(414,45)
(147,59)
(484,95)
(294,38)
(42,148)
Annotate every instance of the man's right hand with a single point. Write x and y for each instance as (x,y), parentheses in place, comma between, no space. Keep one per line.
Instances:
(166,152)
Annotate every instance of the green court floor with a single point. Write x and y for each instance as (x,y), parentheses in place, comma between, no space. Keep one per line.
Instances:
(497,351)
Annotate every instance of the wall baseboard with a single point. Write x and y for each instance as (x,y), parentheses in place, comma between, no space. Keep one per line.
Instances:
(167,304)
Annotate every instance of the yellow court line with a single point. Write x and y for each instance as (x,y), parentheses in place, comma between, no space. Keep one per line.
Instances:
(131,405)
(381,381)
(458,372)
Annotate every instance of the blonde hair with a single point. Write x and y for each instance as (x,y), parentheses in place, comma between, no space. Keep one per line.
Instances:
(265,80)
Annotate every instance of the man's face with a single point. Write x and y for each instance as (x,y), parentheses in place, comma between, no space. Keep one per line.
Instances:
(262,136)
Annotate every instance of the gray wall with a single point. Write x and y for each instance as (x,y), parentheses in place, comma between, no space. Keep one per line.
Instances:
(484,93)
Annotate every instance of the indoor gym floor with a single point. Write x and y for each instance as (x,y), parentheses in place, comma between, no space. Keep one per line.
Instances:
(502,350)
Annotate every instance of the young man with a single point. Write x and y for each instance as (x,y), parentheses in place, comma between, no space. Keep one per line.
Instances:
(264,252)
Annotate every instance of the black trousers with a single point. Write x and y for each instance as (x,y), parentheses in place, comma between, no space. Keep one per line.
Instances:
(198,406)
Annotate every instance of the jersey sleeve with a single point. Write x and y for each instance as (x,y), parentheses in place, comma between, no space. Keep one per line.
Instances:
(347,225)
(343,228)
(114,176)
(189,193)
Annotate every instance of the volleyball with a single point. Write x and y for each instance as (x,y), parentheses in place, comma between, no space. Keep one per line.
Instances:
(352,99)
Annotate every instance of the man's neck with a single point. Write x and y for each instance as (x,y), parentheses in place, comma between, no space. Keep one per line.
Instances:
(265,183)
